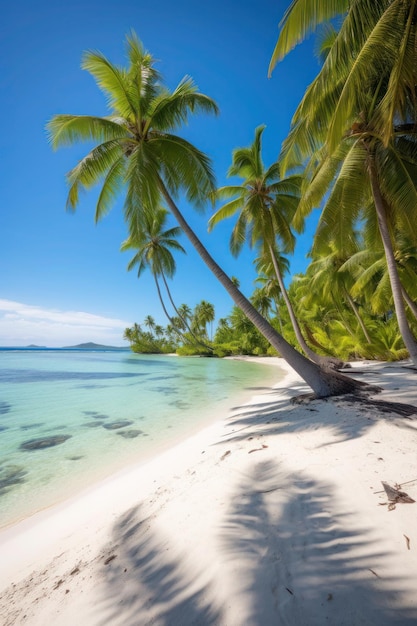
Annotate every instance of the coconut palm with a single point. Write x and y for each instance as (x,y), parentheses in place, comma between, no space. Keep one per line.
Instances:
(153,244)
(261,301)
(331,278)
(185,313)
(138,153)
(265,205)
(203,314)
(149,322)
(368,179)
(356,124)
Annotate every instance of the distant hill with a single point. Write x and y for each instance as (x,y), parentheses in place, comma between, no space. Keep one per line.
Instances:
(94,346)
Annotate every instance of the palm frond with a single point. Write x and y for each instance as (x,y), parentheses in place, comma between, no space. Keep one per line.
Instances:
(65,130)
(171,110)
(226,211)
(184,167)
(112,80)
(300,19)
(91,169)
(400,46)
(240,234)
(111,188)
(229,191)
(142,182)
(399,189)
(342,207)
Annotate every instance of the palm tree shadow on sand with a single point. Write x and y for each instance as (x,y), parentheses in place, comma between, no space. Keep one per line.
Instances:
(286,554)
(304,562)
(145,585)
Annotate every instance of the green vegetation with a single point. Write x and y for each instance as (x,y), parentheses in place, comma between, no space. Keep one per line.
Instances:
(187,333)
(351,152)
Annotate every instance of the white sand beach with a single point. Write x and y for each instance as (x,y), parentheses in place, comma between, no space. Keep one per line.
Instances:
(276,514)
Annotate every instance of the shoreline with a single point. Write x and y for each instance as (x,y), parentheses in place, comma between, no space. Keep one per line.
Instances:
(273,511)
(97,457)
(119,482)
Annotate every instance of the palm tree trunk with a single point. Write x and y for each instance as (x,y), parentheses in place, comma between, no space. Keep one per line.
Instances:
(175,329)
(278,315)
(396,288)
(310,353)
(324,383)
(356,314)
(201,343)
(411,304)
(340,310)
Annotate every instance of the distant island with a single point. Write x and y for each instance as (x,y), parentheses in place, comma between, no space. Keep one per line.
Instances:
(81,346)
(93,346)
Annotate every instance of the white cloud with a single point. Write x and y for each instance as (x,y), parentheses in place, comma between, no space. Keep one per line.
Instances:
(24,324)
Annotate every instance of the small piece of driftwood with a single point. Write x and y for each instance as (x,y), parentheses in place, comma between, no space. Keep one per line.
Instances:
(395,495)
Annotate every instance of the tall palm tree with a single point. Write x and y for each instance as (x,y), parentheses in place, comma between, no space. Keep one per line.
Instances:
(153,245)
(357,124)
(368,178)
(331,277)
(138,153)
(265,205)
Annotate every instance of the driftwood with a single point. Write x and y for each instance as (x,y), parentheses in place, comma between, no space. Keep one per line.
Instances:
(395,495)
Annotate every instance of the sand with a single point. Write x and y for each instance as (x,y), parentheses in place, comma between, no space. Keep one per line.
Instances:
(276,514)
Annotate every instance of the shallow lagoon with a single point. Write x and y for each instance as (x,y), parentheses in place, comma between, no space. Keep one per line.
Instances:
(69,419)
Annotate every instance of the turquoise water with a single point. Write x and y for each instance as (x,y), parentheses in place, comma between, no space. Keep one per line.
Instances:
(69,419)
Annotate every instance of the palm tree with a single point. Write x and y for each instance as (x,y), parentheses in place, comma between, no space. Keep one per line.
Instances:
(356,123)
(203,314)
(185,314)
(153,245)
(137,152)
(331,277)
(367,178)
(149,322)
(265,204)
(262,302)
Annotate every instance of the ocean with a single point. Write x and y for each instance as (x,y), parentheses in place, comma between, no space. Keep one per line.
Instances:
(71,418)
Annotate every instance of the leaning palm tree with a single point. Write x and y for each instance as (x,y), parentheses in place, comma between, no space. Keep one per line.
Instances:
(153,244)
(265,204)
(356,124)
(368,179)
(138,153)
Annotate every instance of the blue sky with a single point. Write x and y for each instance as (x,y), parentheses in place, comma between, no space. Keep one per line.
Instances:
(63,278)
